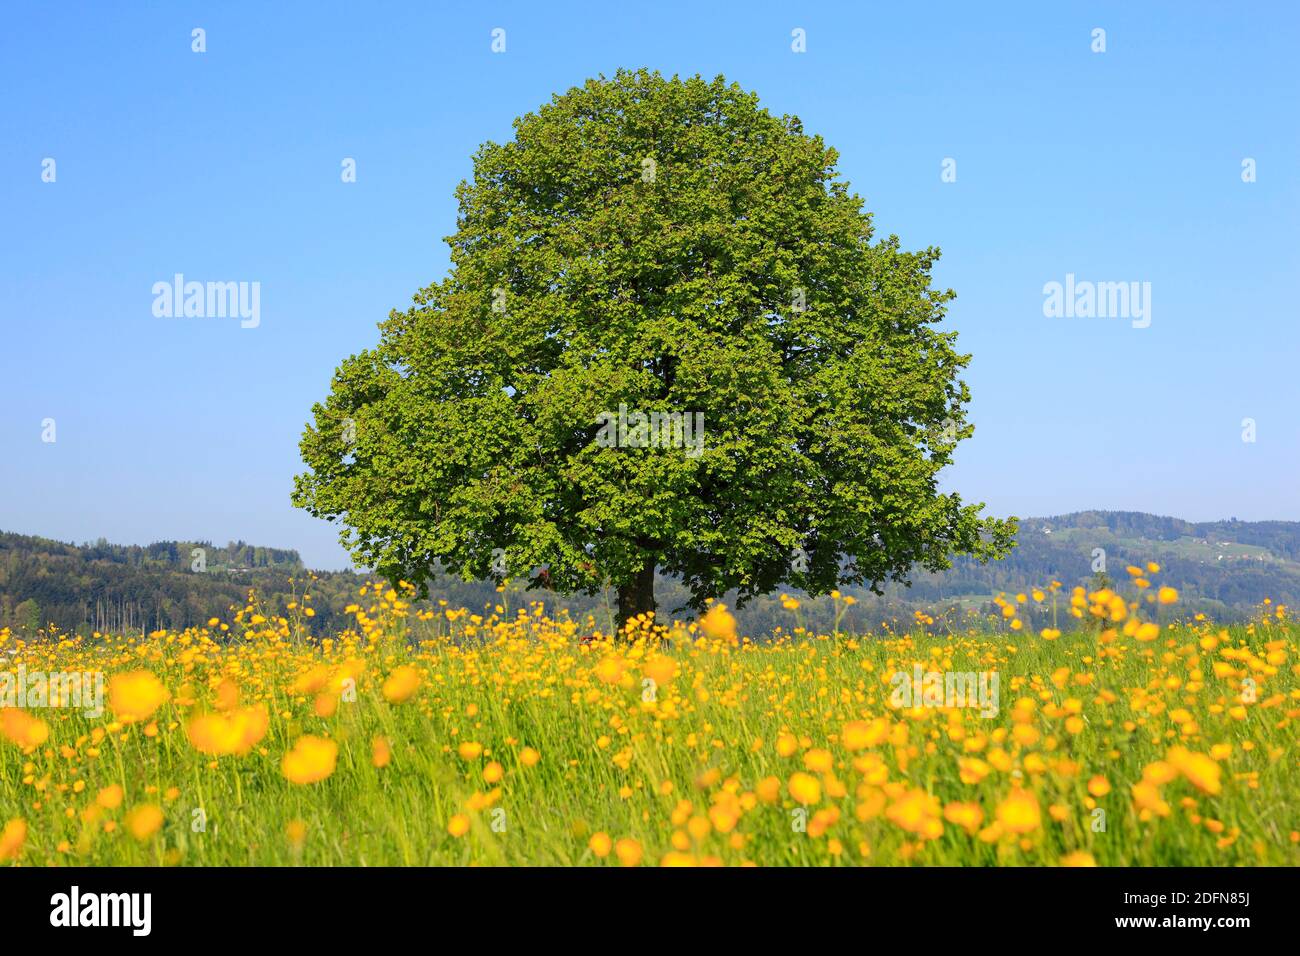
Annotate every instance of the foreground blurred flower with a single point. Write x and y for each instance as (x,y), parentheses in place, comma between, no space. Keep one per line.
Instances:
(22,728)
(144,821)
(609,670)
(1019,812)
(628,852)
(805,788)
(917,811)
(718,624)
(135,695)
(312,759)
(1201,770)
(233,733)
(470,750)
(401,684)
(12,839)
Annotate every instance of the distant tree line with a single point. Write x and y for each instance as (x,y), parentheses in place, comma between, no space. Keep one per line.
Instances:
(115,588)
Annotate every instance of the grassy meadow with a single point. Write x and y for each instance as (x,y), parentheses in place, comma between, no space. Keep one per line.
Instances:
(418,737)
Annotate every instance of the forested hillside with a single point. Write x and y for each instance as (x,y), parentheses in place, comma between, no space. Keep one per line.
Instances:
(1224,569)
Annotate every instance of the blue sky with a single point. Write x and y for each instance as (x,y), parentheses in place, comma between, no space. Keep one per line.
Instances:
(1117,166)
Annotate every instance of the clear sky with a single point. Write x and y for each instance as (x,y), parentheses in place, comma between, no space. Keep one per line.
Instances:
(1121,166)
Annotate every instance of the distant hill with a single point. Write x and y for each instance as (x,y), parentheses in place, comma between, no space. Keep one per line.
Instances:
(1222,568)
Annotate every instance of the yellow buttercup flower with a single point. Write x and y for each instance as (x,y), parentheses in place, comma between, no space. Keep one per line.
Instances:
(295,832)
(22,728)
(401,684)
(12,839)
(628,851)
(805,788)
(311,760)
(144,821)
(470,750)
(1199,769)
(134,696)
(719,624)
(1019,812)
(236,732)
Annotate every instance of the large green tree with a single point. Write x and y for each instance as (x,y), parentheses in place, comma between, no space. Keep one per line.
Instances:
(655,245)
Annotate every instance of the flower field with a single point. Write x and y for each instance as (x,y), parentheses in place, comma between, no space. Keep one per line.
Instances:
(419,737)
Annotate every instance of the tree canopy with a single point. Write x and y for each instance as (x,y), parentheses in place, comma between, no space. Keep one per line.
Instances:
(653,246)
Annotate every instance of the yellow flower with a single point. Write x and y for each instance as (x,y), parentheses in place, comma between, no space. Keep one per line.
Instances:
(805,788)
(12,839)
(718,624)
(380,752)
(860,734)
(22,728)
(968,816)
(144,821)
(662,670)
(1099,786)
(1200,769)
(493,772)
(135,695)
(110,797)
(234,733)
(1019,812)
(1146,797)
(458,825)
(818,760)
(401,684)
(470,750)
(972,770)
(677,858)
(1159,772)
(312,759)
(610,670)
(295,832)
(917,811)
(628,851)
(1078,858)
(600,844)
(529,757)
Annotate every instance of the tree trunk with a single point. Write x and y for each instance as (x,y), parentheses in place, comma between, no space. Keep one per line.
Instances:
(638,595)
